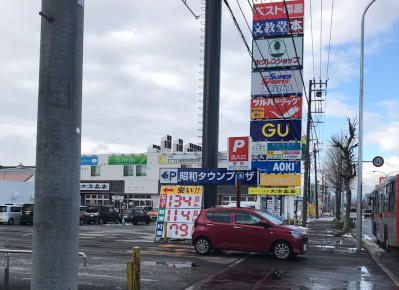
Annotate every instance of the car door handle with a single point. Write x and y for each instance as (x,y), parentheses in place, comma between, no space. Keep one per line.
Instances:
(236,227)
(210,225)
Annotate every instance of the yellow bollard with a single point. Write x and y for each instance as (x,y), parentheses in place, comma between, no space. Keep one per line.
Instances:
(165,232)
(129,276)
(136,268)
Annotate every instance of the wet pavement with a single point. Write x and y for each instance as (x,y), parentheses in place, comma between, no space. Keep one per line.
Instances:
(331,263)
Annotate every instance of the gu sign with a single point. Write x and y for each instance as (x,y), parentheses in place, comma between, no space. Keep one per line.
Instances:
(239,153)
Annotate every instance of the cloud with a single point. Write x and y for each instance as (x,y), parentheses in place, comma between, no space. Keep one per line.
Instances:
(386,137)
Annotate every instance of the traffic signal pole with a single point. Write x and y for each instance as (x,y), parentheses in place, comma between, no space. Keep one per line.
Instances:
(210,123)
(57,180)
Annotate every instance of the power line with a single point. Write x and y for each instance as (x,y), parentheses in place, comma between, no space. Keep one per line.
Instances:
(321,32)
(311,32)
(329,41)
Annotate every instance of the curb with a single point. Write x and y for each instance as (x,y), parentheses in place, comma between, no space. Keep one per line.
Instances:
(377,253)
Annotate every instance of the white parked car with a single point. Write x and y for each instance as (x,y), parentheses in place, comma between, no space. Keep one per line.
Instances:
(10,213)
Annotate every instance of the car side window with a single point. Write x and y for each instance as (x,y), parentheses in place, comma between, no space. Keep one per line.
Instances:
(219,216)
(16,209)
(245,218)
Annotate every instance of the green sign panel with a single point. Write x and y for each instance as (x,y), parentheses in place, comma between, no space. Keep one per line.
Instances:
(127,159)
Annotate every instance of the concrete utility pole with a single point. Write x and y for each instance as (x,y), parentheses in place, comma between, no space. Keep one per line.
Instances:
(57,184)
(307,161)
(210,127)
(315,180)
(360,150)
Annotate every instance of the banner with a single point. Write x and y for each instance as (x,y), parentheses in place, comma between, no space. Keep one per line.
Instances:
(277,10)
(274,190)
(201,176)
(131,159)
(278,52)
(280,179)
(276,130)
(179,206)
(89,160)
(276,108)
(277,27)
(278,166)
(280,83)
(189,158)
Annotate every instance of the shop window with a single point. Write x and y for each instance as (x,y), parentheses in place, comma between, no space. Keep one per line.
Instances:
(141,170)
(95,170)
(128,170)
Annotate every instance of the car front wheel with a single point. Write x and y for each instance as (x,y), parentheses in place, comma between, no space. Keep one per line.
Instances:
(282,250)
(202,246)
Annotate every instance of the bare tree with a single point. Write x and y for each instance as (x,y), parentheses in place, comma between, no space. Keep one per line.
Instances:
(333,175)
(346,147)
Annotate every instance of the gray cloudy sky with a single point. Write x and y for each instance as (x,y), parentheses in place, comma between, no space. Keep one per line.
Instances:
(141,71)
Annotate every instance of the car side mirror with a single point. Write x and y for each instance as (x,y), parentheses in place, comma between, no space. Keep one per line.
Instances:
(266,225)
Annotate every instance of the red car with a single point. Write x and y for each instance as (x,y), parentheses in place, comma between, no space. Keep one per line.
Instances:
(247,229)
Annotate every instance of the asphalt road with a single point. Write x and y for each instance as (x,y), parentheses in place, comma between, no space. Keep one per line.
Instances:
(331,262)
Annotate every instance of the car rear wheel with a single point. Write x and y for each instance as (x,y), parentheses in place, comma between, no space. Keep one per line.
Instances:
(100,221)
(81,222)
(282,250)
(10,221)
(202,246)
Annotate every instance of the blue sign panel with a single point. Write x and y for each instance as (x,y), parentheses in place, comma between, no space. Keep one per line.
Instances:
(283,146)
(214,176)
(89,160)
(278,166)
(276,130)
(277,27)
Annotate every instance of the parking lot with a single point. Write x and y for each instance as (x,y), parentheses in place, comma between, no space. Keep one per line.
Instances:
(331,263)
(172,265)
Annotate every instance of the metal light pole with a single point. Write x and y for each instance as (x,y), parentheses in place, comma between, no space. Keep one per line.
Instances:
(360,151)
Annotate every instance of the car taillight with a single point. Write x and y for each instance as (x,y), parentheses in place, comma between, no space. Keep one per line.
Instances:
(131,216)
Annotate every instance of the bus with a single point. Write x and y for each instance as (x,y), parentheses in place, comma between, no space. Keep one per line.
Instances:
(385,219)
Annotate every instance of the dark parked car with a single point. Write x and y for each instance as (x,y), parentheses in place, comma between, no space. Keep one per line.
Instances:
(27,214)
(101,214)
(247,229)
(135,215)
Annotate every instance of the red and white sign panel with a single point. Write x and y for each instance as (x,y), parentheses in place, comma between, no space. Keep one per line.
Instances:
(276,108)
(239,153)
(179,206)
(276,10)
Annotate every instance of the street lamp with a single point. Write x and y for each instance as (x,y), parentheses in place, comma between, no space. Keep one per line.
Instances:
(360,150)
(386,174)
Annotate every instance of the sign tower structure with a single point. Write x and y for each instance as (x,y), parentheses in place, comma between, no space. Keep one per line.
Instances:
(276,99)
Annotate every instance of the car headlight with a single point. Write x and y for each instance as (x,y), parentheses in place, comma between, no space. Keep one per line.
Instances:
(296,235)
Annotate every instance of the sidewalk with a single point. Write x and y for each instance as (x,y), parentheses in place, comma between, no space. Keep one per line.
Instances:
(388,261)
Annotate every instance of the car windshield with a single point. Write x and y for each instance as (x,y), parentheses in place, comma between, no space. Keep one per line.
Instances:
(27,207)
(3,209)
(92,209)
(270,218)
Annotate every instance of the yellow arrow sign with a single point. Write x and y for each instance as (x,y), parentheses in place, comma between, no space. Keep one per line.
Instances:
(181,189)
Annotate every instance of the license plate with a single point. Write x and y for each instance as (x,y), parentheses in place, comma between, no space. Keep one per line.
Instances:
(27,213)
(305,247)
(125,216)
(92,215)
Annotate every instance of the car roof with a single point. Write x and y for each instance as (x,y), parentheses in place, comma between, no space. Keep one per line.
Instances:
(230,209)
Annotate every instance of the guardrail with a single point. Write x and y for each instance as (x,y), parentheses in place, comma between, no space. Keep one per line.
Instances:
(7,266)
